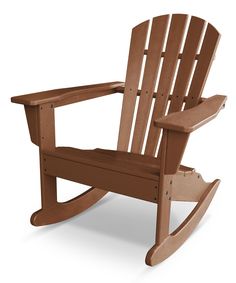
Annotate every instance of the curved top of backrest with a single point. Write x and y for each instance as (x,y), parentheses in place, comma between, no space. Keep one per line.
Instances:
(171,15)
(172,55)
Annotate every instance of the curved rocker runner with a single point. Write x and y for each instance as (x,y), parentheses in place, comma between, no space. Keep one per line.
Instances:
(62,211)
(157,175)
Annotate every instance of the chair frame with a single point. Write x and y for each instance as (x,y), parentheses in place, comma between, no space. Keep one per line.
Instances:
(176,182)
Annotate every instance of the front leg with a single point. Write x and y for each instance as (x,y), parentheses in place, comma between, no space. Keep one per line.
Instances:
(44,125)
(163,209)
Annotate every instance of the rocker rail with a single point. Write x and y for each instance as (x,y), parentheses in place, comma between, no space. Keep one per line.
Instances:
(65,210)
(158,253)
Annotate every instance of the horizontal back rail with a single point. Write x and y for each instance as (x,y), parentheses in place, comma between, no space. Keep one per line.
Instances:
(163,54)
(154,96)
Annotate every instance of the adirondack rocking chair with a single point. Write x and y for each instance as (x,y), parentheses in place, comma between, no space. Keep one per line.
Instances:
(146,164)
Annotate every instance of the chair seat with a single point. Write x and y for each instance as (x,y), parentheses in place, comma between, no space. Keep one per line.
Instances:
(124,162)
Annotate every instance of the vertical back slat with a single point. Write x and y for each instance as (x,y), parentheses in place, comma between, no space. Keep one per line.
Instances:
(155,47)
(187,63)
(136,54)
(177,28)
(205,59)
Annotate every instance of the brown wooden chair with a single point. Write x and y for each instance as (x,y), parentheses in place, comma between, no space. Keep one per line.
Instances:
(179,54)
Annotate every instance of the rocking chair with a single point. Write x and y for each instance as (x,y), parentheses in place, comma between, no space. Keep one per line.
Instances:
(179,53)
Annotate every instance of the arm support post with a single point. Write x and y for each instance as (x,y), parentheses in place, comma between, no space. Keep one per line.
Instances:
(178,126)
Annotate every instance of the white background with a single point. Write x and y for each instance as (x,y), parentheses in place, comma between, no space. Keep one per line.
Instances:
(53,44)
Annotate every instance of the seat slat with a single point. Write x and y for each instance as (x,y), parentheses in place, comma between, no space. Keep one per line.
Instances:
(177,28)
(157,37)
(130,157)
(105,179)
(187,63)
(206,57)
(136,55)
(124,162)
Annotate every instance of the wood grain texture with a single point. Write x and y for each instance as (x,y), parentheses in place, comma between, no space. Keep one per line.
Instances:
(46,127)
(157,37)
(125,183)
(176,32)
(121,90)
(164,196)
(158,180)
(160,252)
(187,61)
(163,54)
(65,96)
(52,211)
(65,210)
(123,162)
(204,62)
(189,120)
(188,186)
(176,144)
(32,121)
(135,61)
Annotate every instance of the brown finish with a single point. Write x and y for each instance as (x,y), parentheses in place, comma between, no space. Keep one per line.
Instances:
(163,54)
(65,210)
(186,64)
(156,42)
(189,120)
(124,162)
(164,196)
(62,211)
(176,143)
(160,252)
(173,45)
(66,96)
(174,65)
(137,45)
(32,120)
(110,180)
(120,89)
(204,62)
(183,184)
(46,141)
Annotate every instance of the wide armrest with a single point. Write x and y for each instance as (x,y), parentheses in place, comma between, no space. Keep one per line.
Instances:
(189,120)
(67,95)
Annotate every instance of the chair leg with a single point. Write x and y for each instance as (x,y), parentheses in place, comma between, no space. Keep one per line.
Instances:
(53,211)
(163,209)
(48,191)
(161,250)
